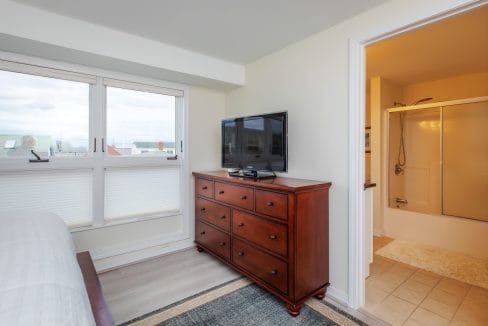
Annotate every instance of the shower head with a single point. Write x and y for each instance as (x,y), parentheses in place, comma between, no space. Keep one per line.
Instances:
(423,100)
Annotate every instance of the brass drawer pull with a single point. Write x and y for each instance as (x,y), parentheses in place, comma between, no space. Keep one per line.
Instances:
(274,272)
(244,197)
(204,188)
(202,233)
(240,253)
(240,224)
(221,192)
(270,203)
(221,243)
(222,217)
(273,237)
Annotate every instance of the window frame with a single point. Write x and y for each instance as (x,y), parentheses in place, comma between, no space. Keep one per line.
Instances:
(96,160)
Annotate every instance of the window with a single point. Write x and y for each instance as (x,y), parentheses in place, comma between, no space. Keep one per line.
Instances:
(142,169)
(114,147)
(140,123)
(47,115)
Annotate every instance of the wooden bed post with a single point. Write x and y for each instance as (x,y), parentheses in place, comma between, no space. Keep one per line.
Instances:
(99,307)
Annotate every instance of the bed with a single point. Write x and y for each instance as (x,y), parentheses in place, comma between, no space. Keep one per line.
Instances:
(41,282)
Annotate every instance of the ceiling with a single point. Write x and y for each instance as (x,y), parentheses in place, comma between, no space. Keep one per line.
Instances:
(453,46)
(236,31)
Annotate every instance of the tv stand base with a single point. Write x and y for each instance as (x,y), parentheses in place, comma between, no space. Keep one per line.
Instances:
(253,174)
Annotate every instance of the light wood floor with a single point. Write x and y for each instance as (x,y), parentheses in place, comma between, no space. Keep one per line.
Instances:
(135,290)
(397,293)
(405,295)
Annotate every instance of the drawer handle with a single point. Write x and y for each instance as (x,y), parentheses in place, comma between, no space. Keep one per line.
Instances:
(221,192)
(202,233)
(240,224)
(202,209)
(273,237)
(270,203)
(222,217)
(244,197)
(274,272)
(240,253)
(221,243)
(204,188)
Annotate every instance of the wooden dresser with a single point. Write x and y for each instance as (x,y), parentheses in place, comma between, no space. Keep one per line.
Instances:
(274,231)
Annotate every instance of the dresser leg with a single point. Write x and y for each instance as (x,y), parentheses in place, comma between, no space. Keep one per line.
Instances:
(293,310)
(321,294)
(200,249)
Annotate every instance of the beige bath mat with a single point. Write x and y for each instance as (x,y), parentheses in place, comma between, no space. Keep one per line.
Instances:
(447,263)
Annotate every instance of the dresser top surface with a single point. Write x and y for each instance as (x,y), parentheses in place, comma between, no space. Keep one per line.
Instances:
(278,183)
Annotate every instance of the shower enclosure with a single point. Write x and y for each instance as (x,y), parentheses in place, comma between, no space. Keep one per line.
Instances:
(438,158)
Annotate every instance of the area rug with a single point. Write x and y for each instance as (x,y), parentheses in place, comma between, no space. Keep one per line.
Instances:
(242,303)
(471,270)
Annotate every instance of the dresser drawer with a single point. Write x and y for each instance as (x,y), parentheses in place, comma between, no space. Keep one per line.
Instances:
(272,204)
(204,187)
(213,213)
(235,195)
(266,267)
(216,241)
(267,234)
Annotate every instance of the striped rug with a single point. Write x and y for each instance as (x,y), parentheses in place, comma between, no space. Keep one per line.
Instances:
(242,303)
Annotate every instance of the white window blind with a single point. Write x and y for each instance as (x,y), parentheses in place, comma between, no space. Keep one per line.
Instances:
(141,191)
(46,72)
(142,87)
(65,193)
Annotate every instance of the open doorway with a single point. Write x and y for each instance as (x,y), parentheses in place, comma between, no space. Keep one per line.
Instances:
(426,116)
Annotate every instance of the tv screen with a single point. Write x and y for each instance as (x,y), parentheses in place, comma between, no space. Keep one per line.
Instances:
(255,142)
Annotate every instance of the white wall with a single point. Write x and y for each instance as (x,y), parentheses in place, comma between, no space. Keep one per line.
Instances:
(206,113)
(383,94)
(114,246)
(310,79)
(207,109)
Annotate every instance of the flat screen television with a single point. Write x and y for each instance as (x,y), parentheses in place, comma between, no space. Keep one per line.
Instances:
(255,143)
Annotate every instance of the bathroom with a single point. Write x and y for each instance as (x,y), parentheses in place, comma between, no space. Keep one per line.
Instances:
(427,118)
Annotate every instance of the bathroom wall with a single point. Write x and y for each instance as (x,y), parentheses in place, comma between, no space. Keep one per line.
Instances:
(447,89)
(383,93)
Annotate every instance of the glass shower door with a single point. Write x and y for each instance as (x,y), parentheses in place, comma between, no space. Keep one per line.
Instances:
(465,160)
(414,160)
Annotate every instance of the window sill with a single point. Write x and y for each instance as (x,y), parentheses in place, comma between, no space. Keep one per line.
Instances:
(125,220)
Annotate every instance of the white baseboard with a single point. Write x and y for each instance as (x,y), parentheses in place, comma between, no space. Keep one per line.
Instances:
(104,261)
(338,295)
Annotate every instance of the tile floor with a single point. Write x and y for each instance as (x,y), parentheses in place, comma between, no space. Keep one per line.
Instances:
(401,294)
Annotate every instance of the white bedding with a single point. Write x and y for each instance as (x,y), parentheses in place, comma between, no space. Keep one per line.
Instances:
(40,280)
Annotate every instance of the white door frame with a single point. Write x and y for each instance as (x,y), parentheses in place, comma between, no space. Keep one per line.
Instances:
(357,75)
